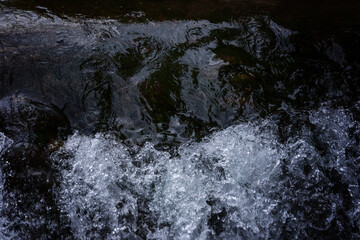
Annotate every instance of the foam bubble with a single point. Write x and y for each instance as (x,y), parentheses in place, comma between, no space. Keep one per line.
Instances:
(241,182)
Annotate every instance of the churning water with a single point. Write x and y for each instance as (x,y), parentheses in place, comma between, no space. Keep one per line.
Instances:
(129,127)
(239,183)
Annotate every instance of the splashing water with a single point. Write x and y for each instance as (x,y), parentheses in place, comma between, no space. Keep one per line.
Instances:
(241,182)
(5,233)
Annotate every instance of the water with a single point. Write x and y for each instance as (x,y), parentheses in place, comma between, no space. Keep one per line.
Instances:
(238,183)
(186,122)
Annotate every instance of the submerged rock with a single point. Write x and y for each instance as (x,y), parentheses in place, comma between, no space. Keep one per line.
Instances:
(36,129)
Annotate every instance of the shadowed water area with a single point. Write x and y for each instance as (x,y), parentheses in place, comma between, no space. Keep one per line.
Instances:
(179,119)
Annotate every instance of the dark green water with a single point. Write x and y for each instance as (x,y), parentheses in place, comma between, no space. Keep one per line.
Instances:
(179,119)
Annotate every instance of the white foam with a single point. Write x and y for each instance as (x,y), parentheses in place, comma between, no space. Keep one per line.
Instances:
(5,233)
(237,170)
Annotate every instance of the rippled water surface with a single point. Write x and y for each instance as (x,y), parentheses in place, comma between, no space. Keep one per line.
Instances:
(179,120)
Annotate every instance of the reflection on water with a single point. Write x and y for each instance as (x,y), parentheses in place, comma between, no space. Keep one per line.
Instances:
(141,78)
(237,122)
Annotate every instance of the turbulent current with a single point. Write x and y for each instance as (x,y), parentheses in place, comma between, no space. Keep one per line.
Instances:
(125,123)
(238,183)
(241,182)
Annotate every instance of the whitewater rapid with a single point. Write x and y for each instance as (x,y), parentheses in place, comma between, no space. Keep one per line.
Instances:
(242,182)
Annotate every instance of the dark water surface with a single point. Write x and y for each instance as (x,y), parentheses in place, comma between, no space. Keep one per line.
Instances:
(179,119)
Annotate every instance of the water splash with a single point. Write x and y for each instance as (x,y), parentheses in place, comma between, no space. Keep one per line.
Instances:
(241,182)
(5,232)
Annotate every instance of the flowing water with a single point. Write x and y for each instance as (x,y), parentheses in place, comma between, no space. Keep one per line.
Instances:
(172,120)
